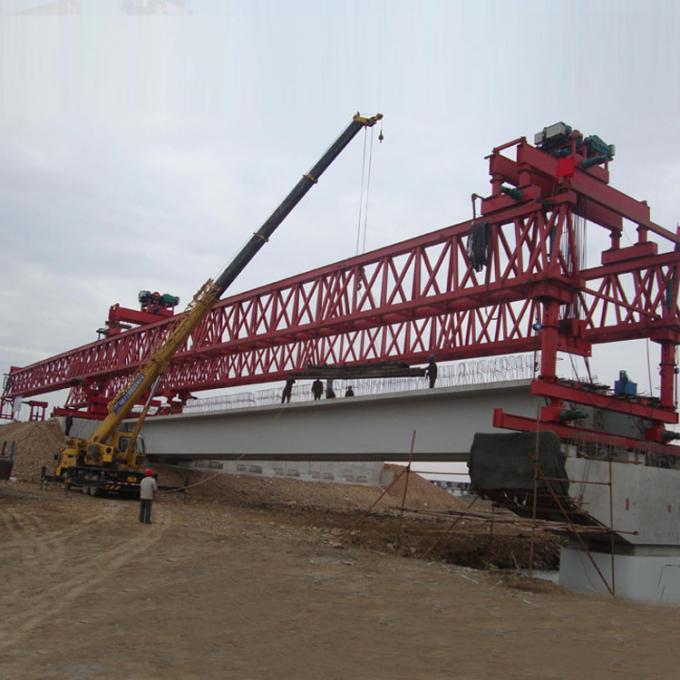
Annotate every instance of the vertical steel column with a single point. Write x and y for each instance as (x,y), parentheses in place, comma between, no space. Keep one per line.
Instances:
(667,372)
(549,330)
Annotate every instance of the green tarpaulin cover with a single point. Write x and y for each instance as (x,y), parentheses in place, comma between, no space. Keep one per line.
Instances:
(506,461)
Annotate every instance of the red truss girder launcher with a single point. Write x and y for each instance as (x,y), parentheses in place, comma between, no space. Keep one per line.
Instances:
(422,296)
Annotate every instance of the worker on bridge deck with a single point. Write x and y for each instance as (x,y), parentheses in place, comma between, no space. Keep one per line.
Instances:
(431,371)
(317,389)
(287,391)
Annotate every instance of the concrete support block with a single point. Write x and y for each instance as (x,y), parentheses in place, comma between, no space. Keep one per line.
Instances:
(647,578)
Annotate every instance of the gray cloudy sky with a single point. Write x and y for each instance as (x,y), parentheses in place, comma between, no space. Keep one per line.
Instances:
(140,152)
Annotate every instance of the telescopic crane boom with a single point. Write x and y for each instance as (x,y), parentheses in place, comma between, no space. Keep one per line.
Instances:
(109,454)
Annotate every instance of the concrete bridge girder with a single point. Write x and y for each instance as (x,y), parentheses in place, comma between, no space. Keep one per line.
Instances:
(358,428)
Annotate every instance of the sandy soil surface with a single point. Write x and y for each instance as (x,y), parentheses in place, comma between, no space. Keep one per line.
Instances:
(216,588)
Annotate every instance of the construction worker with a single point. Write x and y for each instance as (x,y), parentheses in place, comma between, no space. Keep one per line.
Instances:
(349,392)
(147,491)
(330,392)
(287,391)
(317,389)
(431,371)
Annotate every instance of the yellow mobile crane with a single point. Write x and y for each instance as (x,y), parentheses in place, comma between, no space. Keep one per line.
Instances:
(112,460)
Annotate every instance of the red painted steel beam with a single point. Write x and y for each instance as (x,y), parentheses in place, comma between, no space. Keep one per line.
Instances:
(140,317)
(626,266)
(569,432)
(597,400)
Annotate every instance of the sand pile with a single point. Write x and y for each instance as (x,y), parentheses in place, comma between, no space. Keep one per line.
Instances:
(272,491)
(420,492)
(36,444)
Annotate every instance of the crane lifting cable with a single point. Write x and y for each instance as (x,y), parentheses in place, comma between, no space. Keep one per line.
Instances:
(361,192)
(368,186)
(366,166)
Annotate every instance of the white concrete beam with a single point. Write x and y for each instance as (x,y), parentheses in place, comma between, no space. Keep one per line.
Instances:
(357,428)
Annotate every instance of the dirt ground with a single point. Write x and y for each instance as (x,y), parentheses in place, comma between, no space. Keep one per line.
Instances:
(218,587)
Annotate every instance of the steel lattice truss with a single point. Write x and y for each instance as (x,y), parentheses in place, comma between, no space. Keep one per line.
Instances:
(422,297)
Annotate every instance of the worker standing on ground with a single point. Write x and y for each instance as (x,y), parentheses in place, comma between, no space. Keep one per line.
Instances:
(287,391)
(349,392)
(431,371)
(147,491)
(317,389)
(330,392)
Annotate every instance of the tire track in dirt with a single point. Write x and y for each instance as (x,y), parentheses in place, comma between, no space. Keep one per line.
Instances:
(67,532)
(34,532)
(18,539)
(51,601)
(34,556)
(49,553)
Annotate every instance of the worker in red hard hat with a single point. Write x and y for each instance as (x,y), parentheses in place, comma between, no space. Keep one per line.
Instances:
(147,491)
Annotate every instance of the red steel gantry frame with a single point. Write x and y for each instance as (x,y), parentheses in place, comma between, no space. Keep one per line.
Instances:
(423,297)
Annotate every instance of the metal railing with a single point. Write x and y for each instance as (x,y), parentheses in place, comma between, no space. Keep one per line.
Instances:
(477,372)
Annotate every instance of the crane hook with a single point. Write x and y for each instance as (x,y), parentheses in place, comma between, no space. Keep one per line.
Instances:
(381,136)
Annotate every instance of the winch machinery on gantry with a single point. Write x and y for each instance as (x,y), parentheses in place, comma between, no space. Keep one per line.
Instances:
(512,279)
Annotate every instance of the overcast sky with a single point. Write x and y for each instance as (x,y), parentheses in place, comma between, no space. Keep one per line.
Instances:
(138,152)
